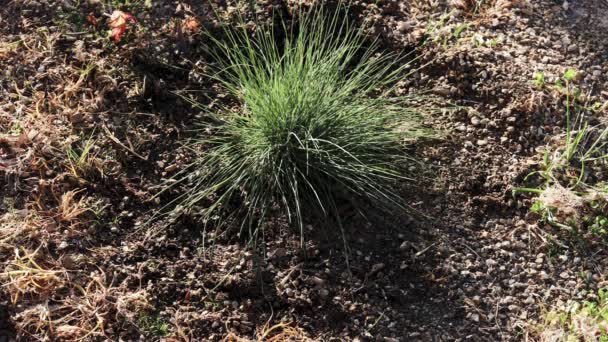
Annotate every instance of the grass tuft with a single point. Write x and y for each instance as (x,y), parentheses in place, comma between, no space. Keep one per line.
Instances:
(572,187)
(317,124)
(577,321)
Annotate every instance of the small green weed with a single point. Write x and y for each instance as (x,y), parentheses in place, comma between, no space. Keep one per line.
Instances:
(571,193)
(153,325)
(578,321)
(492,42)
(83,162)
(539,79)
(16,128)
(460,29)
(435,29)
(480,41)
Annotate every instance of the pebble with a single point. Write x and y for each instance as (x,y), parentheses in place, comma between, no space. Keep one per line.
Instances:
(376,268)
(403,26)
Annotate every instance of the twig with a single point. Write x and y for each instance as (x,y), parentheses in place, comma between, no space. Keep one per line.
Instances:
(419,253)
(114,139)
(469,248)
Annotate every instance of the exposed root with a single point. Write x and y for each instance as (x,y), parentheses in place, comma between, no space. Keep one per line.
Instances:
(84,313)
(279,332)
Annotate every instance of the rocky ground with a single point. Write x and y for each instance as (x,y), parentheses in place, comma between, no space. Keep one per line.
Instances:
(77,264)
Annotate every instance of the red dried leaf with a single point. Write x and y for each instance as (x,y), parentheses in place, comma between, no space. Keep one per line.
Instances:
(91,19)
(191,24)
(119,21)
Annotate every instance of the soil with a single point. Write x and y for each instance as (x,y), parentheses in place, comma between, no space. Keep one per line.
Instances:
(478,268)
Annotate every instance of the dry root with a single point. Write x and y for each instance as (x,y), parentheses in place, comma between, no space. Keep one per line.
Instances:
(84,313)
(277,333)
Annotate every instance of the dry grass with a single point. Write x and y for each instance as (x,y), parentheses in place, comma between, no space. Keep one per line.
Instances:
(85,313)
(578,325)
(71,210)
(56,98)
(279,332)
(56,302)
(19,228)
(567,203)
(32,274)
(7,48)
(282,332)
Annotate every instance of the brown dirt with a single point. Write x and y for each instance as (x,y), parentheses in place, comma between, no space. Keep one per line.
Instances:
(77,263)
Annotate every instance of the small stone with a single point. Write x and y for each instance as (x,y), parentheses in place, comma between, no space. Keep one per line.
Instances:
(508,300)
(280,252)
(403,26)
(317,281)
(31,135)
(376,268)
(491,263)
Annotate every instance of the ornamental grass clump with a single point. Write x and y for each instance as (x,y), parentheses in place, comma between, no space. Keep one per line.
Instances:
(316,124)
